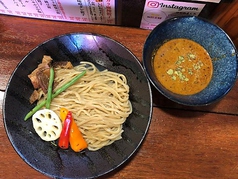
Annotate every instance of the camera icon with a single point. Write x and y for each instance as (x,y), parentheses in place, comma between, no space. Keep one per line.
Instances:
(153,4)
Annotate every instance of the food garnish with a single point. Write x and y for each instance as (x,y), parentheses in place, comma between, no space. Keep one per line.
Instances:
(56,93)
(76,140)
(50,88)
(64,136)
(47,124)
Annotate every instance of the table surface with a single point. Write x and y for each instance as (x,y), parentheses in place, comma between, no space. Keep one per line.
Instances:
(182,142)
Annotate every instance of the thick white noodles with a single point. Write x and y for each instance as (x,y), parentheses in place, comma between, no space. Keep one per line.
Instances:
(99,102)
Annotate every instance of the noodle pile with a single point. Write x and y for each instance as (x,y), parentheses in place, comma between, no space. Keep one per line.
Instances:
(99,102)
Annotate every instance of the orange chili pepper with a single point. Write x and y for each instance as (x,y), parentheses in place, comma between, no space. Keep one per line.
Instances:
(76,139)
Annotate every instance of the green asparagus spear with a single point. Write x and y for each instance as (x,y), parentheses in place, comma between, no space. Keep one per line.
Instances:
(50,86)
(56,93)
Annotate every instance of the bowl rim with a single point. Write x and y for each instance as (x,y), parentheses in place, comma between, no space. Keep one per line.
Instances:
(153,81)
(129,156)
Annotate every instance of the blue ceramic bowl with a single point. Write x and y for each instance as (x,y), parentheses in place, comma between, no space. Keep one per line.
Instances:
(213,39)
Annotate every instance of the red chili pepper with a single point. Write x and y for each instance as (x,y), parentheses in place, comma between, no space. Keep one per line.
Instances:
(64,136)
(76,140)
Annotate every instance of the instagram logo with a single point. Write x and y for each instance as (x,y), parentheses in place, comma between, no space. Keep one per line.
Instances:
(153,4)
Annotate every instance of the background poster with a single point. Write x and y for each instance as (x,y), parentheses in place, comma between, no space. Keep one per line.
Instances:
(156,11)
(88,11)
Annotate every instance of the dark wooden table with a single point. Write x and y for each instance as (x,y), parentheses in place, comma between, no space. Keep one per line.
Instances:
(182,142)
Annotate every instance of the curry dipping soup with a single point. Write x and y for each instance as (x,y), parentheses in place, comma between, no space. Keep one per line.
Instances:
(183,66)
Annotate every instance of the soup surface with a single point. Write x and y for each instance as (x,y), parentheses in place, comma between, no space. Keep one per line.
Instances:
(183,66)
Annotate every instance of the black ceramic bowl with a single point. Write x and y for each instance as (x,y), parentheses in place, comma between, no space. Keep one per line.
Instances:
(105,53)
(213,39)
